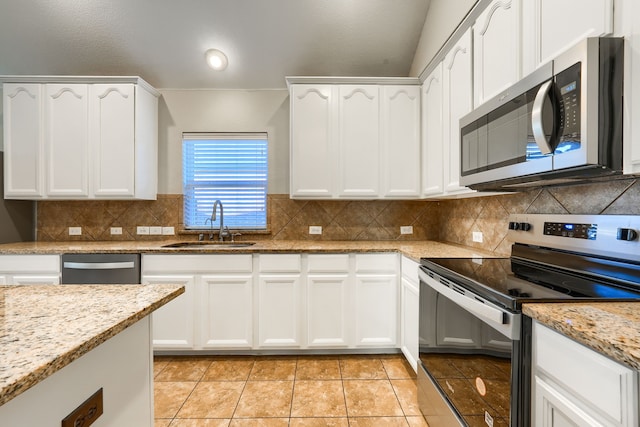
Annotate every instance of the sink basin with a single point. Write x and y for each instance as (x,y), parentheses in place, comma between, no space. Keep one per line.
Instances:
(209,244)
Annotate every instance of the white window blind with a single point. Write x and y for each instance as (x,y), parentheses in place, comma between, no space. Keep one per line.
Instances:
(228,167)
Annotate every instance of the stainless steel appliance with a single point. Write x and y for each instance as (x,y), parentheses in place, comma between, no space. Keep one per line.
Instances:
(101,268)
(475,345)
(560,124)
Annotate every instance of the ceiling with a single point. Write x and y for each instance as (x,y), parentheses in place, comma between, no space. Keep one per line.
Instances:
(164,41)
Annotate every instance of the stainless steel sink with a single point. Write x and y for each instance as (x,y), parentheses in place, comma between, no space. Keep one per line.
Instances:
(209,244)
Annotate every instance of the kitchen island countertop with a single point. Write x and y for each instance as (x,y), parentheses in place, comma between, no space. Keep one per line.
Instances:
(611,328)
(44,328)
(412,249)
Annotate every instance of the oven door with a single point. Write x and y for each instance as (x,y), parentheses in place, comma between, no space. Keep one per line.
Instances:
(470,370)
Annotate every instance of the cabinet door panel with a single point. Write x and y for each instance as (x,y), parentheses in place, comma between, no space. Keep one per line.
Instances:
(278,311)
(173,323)
(66,137)
(409,322)
(23,143)
(359,141)
(400,141)
(227,311)
(112,138)
(376,299)
(312,141)
(432,134)
(327,310)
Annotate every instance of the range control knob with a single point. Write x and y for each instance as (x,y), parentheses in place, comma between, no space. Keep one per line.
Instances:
(627,234)
(514,225)
(525,226)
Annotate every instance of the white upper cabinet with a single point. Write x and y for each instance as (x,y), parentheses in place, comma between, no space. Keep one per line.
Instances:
(432,132)
(551,27)
(496,49)
(457,102)
(23,121)
(313,149)
(358,141)
(354,138)
(400,141)
(80,140)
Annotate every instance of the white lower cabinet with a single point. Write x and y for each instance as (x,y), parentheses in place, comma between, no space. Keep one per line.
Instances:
(279,311)
(29,269)
(409,310)
(573,385)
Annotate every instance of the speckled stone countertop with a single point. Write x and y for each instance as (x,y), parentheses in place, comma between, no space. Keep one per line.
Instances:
(414,250)
(41,332)
(611,328)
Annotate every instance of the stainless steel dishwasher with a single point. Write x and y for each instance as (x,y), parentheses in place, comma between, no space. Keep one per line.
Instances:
(100,268)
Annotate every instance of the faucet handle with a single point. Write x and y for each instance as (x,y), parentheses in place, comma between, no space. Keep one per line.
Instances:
(233,236)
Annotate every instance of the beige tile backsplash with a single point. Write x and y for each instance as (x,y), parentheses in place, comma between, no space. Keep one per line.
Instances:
(446,220)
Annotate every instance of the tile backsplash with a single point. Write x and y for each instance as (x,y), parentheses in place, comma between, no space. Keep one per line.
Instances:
(451,220)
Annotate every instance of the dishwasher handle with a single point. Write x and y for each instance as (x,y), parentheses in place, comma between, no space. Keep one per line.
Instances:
(98,265)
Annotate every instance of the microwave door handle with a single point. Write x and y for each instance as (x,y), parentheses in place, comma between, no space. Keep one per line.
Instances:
(536,119)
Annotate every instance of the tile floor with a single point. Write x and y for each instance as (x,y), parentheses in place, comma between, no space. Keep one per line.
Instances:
(297,391)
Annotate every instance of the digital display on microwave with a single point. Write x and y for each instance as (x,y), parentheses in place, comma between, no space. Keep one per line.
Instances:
(568,88)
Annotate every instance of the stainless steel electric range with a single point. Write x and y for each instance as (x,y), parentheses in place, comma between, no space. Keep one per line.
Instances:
(475,344)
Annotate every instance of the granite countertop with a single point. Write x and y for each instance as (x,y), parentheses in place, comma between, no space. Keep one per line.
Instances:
(41,331)
(611,328)
(414,250)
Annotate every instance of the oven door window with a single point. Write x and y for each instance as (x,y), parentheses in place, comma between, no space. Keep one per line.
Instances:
(468,360)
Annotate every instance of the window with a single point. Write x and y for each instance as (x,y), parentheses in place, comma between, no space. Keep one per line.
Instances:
(228,167)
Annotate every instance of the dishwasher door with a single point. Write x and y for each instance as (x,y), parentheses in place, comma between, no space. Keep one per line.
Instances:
(100,268)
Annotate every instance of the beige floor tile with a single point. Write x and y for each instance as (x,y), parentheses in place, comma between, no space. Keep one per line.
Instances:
(318,369)
(184,369)
(259,422)
(378,422)
(417,422)
(262,399)
(168,397)
(214,399)
(371,398)
(318,399)
(268,369)
(319,422)
(398,368)
(207,422)
(407,393)
(362,368)
(229,370)
(161,422)
(159,363)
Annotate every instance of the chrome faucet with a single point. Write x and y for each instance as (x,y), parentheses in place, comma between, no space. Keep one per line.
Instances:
(224,231)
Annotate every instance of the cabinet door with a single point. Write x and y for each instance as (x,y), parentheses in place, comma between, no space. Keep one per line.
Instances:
(279,311)
(400,141)
(358,141)
(23,140)
(173,323)
(496,49)
(227,311)
(112,127)
(409,322)
(432,134)
(35,279)
(376,311)
(66,140)
(552,409)
(313,151)
(458,100)
(327,310)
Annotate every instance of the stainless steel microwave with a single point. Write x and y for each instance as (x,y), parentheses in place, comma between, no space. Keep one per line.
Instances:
(560,124)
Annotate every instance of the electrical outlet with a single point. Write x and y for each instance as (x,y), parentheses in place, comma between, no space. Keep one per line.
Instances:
(168,231)
(315,229)
(142,229)
(406,229)
(155,230)
(75,231)
(116,231)
(477,236)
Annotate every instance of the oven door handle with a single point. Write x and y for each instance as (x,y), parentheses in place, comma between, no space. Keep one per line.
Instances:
(469,303)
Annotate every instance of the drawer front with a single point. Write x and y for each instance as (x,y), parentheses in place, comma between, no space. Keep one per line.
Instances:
(376,263)
(287,263)
(29,263)
(335,263)
(241,263)
(605,385)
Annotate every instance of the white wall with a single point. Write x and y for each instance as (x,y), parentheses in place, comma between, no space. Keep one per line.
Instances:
(442,19)
(222,111)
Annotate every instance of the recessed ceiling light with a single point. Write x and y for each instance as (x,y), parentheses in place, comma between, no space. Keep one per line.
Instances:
(216,59)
